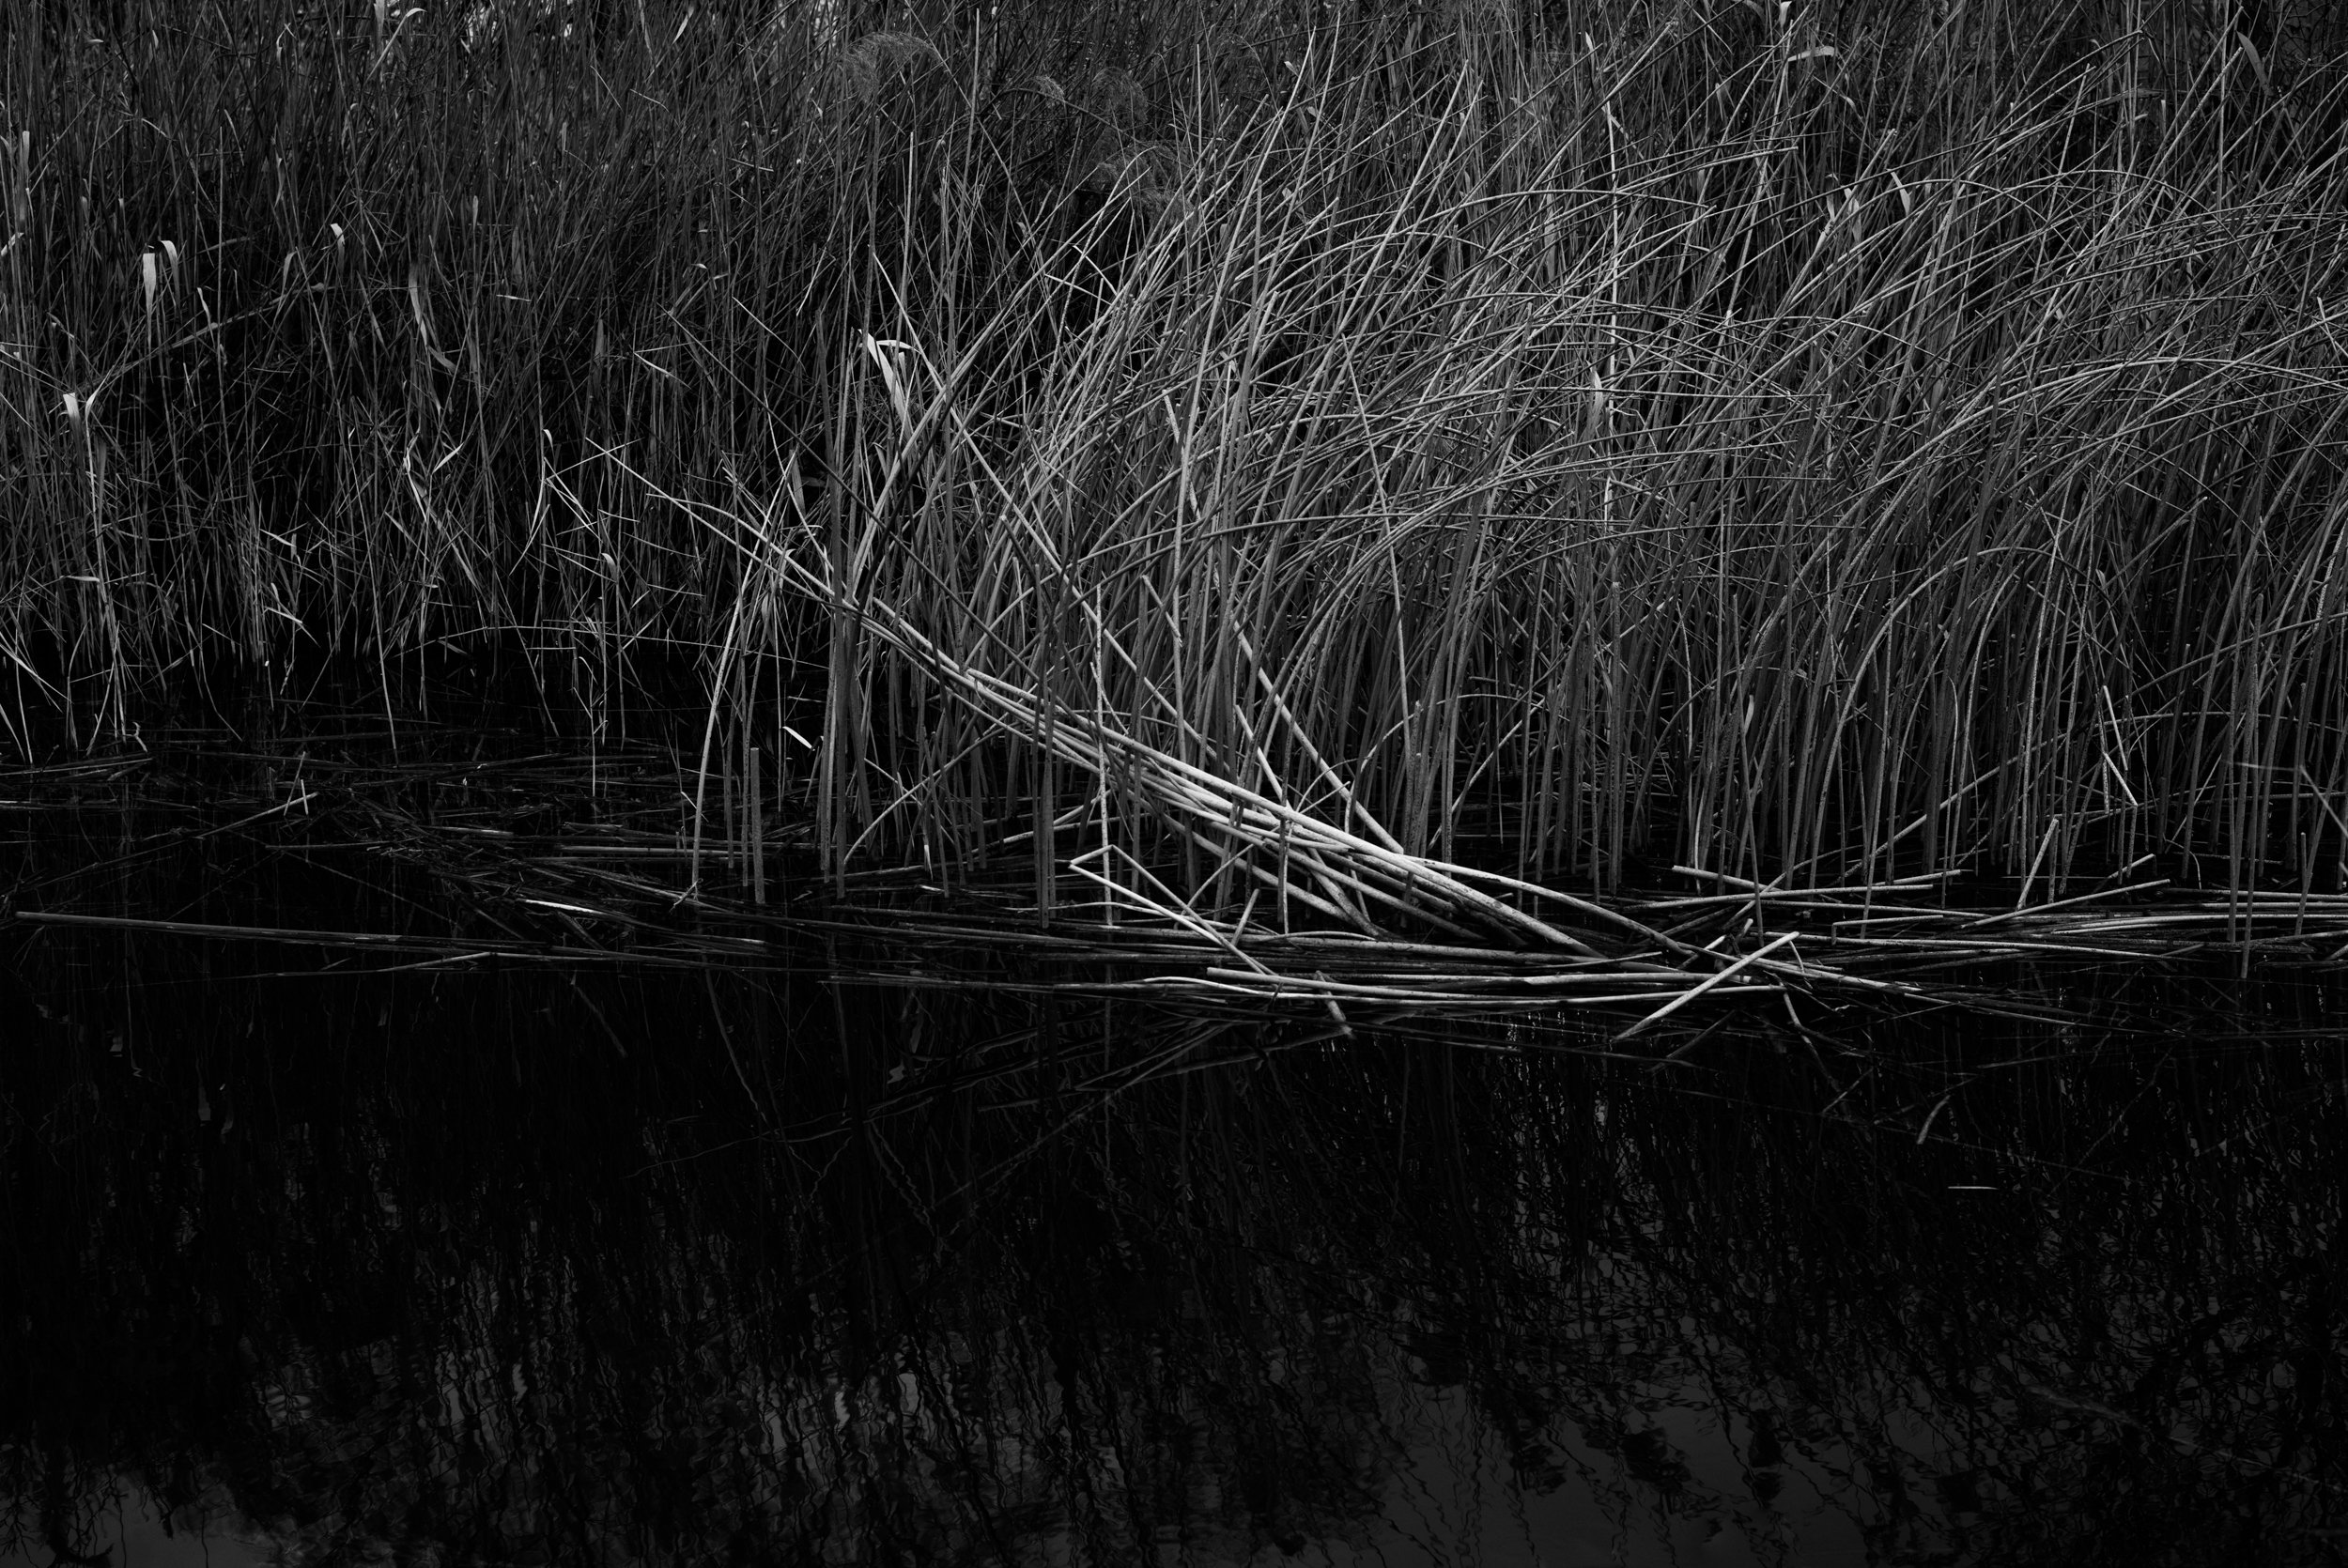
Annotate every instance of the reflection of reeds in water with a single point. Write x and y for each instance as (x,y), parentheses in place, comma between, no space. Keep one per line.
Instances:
(537,1296)
(1244,470)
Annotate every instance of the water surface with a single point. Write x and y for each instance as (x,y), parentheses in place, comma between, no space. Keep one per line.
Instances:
(326,1256)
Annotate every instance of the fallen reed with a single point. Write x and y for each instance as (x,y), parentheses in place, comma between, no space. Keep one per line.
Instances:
(1298,468)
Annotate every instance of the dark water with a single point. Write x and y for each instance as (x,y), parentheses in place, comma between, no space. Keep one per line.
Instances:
(321,1257)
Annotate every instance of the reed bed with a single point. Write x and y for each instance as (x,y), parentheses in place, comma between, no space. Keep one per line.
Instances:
(521,860)
(1255,474)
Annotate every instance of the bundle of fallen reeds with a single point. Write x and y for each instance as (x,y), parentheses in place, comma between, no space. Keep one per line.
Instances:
(617,878)
(1296,857)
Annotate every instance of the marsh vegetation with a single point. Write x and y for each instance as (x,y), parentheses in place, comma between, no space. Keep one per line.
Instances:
(1267,468)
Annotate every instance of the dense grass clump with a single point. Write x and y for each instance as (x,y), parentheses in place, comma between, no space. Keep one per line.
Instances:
(1332,451)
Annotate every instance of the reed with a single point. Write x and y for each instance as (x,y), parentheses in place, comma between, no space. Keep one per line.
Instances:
(1286,466)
